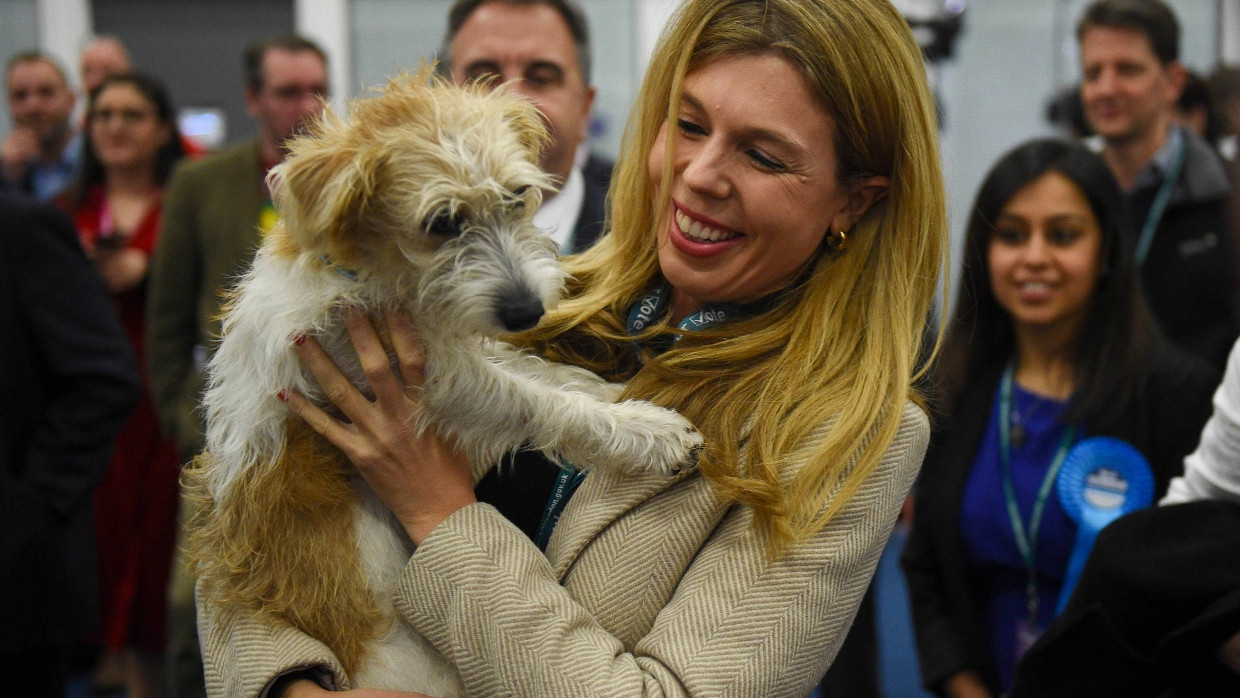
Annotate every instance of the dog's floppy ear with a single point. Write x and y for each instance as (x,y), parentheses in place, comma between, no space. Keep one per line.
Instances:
(319,189)
(524,118)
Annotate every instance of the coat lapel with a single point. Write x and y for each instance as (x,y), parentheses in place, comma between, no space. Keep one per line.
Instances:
(602,498)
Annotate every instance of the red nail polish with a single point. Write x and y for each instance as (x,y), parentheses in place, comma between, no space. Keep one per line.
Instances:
(299,339)
(283,395)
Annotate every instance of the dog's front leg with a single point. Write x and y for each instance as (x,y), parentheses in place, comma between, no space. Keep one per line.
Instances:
(570,413)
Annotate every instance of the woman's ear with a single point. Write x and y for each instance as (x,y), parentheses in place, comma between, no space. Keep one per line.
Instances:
(861,196)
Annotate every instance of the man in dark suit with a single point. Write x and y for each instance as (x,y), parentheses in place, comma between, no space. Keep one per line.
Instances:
(68,380)
(543,48)
(215,212)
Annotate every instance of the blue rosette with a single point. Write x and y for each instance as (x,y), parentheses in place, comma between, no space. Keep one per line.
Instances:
(1102,479)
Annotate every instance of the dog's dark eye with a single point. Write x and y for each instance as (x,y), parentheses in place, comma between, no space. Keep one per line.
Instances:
(444,223)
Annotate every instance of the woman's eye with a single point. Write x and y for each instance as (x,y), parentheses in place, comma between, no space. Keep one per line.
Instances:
(690,128)
(1008,236)
(1063,236)
(766,162)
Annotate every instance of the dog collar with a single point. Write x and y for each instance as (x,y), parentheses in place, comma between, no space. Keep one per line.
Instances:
(346,273)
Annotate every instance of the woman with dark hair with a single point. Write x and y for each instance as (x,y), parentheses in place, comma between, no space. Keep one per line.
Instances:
(131,145)
(1050,342)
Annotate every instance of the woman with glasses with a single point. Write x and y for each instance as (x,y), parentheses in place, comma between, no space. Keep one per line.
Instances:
(131,145)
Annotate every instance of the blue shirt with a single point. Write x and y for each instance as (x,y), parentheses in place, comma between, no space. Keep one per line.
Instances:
(47,179)
(986,529)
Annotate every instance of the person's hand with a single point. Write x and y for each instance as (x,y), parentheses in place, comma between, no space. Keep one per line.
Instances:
(419,476)
(122,268)
(1229,653)
(19,148)
(306,688)
(967,684)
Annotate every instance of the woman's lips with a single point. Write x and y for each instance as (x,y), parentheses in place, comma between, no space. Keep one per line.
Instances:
(1034,291)
(697,239)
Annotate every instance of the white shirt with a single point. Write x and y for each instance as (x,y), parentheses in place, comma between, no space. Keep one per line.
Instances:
(1213,470)
(558,215)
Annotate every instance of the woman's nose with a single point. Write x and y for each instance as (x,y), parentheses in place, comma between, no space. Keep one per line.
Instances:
(706,171)
(1035,250)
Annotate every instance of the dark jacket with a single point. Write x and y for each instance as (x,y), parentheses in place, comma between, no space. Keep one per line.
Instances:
(1157,598)
(67,382)
(1164,422)
(1189,276)
(593,218)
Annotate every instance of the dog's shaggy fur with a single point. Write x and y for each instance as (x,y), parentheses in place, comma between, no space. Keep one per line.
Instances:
(418,199)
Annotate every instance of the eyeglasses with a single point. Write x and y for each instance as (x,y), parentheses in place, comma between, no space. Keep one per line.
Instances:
(128,117)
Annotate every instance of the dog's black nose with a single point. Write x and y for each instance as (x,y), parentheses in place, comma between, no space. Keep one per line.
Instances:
(521,313)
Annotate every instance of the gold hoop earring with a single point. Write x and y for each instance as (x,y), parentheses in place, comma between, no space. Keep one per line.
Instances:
(837,240)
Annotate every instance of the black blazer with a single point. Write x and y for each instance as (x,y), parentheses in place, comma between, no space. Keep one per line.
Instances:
(67,382)
(1163,421)
(593,216)
(1158,596)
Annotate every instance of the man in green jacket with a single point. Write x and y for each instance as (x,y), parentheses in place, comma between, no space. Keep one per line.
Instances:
(215,213)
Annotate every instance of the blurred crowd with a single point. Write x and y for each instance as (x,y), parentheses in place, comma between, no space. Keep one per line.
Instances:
(1097,297)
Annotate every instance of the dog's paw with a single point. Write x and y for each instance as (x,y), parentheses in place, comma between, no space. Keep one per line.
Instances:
(654,439)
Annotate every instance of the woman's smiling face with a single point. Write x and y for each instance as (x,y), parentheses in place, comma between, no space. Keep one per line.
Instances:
(1044,256)
(125,128)
(754,182)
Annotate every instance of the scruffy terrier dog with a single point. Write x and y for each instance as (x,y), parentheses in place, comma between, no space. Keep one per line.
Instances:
(418,199)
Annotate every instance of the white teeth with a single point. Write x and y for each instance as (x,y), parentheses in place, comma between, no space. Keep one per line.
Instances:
(697,231)
(1034,287)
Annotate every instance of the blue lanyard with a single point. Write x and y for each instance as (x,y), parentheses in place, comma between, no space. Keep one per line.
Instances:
(565,484)
(652,305)
(1159,206)
(1026,539)
(647,311)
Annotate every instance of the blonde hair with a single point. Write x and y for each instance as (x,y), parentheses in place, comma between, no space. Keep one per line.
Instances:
(841,345)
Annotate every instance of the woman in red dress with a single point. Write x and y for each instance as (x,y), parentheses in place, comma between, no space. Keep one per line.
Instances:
(131,145)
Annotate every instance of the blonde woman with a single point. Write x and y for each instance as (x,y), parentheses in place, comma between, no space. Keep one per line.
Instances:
(780,165)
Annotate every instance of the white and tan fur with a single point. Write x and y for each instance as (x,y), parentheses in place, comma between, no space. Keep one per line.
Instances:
(418,199)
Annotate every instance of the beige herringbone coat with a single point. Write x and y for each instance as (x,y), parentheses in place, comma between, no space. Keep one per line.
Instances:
(650,587)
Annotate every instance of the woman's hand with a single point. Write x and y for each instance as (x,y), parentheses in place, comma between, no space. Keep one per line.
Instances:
(122,268)
(419,476)
(967,684)
(18,149)
(1229,653)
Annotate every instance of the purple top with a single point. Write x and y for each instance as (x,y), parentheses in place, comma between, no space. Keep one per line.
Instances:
(987,531)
